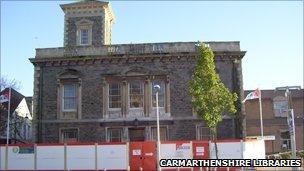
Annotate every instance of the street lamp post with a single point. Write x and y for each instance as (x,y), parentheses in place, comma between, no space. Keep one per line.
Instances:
(290,117)
(157,88)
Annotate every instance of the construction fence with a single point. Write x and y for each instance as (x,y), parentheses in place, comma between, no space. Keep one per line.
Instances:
(122,156)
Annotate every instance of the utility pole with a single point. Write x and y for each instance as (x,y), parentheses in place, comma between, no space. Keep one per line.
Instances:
(290,117)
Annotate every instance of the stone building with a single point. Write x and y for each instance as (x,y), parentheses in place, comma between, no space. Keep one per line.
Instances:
(92,90)
(274,104)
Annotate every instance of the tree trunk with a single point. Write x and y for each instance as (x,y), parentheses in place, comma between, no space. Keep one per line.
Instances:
(214,139)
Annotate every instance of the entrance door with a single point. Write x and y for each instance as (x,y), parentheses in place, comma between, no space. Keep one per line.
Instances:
(137,134)
(143,155)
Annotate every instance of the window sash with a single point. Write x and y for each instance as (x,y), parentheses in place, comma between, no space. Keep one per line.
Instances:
(161,94)
(69,135)
(162,131)
(115,135)
(285,135)
(84,36)
(285,138)
(114,95)
(69,97)
(205,133)
(136,94)
(287,142)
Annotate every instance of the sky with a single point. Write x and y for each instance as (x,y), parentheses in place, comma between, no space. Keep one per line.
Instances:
(271,32)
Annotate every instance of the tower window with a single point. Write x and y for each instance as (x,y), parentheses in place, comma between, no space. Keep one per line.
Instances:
(84,36)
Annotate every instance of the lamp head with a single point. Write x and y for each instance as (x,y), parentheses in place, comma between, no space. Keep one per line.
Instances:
(156,87)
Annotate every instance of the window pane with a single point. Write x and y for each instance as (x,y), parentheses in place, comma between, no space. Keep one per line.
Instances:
(163,133)
(84,36)
(136,94)
(69,97)
(285,135)
(114,89)
(69,135)
(161,93)
(114,135)
(114,96)
(286,141)
(69,90)
(205,133)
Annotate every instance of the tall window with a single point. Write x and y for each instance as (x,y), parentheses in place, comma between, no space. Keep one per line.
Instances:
(69,135)
(114,95)
(114,134)
(69,97)
(286,142)
(161,94)
(136,94)
(162,133)
(84,36)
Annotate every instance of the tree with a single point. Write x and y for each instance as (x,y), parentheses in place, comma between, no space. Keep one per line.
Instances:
(5,82)
(210,96)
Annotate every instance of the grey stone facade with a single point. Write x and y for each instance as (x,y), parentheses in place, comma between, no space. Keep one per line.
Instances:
(93,67)
(98,13)
(97,30)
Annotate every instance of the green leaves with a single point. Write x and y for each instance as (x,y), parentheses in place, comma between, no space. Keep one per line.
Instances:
(210,96)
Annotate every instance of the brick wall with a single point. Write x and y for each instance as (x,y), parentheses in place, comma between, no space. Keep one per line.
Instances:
(273,125)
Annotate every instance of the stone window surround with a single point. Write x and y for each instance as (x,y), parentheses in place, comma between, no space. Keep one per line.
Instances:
(60,86)
(67,128)
(147,108)
(81,25)
(69,76)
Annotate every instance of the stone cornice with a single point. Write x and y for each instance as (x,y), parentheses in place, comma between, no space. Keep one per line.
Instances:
(83,5)
(134,49)
(164,52)
(90,8)
(116,59)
